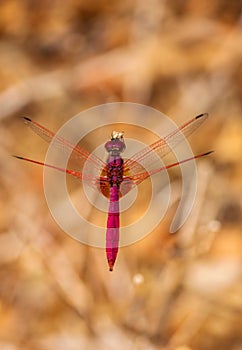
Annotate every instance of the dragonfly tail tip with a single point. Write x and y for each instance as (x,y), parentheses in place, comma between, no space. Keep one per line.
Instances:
(110,263)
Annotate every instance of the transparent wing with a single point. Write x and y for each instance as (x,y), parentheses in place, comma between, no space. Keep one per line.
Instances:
(138,178)
(146,157)
(80,155)
(77,174)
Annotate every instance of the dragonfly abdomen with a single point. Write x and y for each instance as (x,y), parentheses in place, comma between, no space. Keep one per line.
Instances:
(112,234)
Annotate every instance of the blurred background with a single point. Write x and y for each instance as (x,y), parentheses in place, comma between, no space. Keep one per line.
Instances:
(181,292)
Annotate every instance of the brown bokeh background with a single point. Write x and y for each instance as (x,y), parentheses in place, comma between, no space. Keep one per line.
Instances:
(179,292)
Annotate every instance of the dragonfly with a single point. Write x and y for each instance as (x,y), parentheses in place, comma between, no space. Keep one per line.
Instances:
(117,176)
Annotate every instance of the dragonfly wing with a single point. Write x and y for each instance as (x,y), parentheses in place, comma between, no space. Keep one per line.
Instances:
(92,182)
(147,157)
(127,185)
(138,178)
(104,186)
(79,154)
(74,173)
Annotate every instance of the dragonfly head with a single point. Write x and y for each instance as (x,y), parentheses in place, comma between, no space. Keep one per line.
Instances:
(116,144)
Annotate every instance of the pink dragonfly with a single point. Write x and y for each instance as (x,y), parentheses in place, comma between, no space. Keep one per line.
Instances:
(117,177)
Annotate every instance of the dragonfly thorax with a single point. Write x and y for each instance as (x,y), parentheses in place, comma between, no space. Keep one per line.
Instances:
(114,170)
(115,162)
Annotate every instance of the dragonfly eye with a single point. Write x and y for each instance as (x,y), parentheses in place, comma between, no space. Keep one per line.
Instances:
(115,146)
